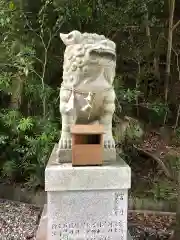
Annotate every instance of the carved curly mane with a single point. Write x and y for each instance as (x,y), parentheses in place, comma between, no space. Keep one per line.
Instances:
(84,52)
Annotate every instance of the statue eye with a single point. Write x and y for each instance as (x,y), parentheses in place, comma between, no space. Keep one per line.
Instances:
(70,36)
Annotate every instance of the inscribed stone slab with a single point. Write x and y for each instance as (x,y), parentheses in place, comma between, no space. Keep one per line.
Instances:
(42,229)
(87,215)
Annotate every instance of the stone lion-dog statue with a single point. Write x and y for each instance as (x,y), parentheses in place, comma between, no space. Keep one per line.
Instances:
(87,94)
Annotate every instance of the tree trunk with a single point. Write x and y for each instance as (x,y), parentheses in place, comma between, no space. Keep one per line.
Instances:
(17,89)
(169,51)
(155,60)
(177,228)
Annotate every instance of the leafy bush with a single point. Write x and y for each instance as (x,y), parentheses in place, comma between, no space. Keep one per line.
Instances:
(28,125)
(26,143)
(163,190)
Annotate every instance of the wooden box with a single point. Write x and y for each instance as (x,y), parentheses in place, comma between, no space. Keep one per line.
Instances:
(87,145)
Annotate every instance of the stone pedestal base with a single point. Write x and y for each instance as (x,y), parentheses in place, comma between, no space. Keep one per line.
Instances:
(86,203)
(42,229)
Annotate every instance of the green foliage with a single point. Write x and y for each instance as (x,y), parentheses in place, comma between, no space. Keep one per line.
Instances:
(5,82)
(158,108)
(26,138)
(128,131)
(129,95)
(178,133)
(134,132)
(173,163)
(163,190)
(158,111)
(27,143)
(9,169)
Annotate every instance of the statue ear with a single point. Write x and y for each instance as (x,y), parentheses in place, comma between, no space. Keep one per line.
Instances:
(64,38)
(71,38)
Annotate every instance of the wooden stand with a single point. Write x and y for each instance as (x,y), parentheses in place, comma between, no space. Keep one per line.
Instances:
(87,145)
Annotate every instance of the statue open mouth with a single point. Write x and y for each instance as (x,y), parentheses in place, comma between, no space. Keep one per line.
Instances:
(103,53)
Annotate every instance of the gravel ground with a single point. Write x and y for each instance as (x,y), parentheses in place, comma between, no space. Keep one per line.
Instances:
(144,233)
(18,221)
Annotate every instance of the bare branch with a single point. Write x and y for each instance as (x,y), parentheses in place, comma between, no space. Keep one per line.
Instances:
(46,47)
(177,59)
(157,159)
(29,26)
(176,25)
(37,74)
(62,22)
(177,118)
(38,59)
(50,40)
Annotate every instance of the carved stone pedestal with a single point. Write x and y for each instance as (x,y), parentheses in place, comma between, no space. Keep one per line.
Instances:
(86,203)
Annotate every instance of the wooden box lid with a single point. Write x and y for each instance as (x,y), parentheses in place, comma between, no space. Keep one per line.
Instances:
(87,129)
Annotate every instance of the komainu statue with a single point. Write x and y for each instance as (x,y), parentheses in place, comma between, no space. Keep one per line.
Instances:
(87,94)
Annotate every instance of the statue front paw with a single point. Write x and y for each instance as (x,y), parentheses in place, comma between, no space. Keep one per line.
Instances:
(109,141)
(65,142)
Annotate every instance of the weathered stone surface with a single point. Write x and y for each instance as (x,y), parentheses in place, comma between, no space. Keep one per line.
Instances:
(87,202)
(42,229)
(64,177)
(87,215)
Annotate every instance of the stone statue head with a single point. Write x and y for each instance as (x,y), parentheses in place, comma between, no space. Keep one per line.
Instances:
(87,57)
